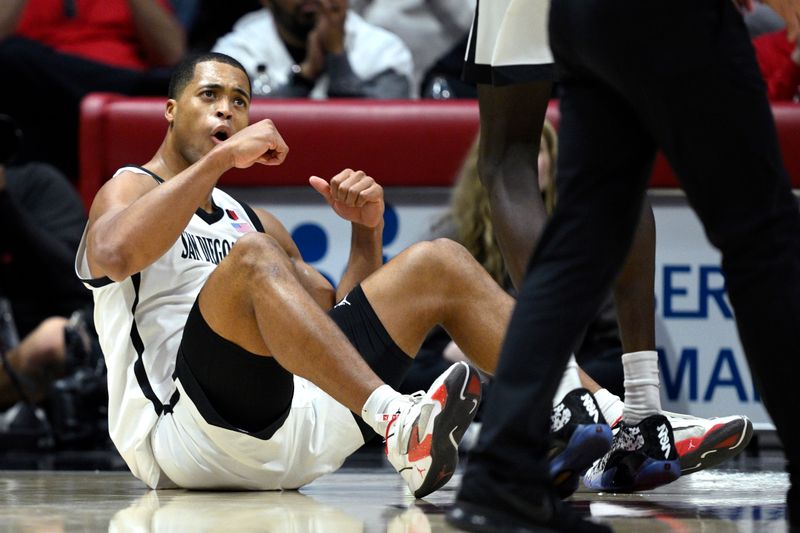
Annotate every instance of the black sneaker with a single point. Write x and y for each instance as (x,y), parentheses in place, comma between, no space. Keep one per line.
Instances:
(642,457)
(579,436)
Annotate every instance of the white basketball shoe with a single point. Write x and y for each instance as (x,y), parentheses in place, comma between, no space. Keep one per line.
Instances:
(422,437)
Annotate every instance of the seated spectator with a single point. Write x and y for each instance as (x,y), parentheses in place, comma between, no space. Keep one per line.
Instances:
(430,28)
(297,48)
(57,51)
(779,62)
(42,219)
(46,332)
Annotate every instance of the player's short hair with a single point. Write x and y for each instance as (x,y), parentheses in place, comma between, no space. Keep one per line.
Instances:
(184,71)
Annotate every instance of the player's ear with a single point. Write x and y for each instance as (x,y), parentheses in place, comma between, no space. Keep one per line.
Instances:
(169,110)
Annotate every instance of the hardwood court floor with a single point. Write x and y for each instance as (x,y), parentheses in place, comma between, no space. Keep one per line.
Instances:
(746,495)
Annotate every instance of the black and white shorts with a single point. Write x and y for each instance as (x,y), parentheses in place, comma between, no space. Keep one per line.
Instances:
(508,43)
(208,442)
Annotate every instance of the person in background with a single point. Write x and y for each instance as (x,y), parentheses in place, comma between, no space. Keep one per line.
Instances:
(430,28)
(42,220)
(57,51)
(296,48)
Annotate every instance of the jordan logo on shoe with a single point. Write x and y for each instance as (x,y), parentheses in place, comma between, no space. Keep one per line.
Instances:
(589,405)
(663,438)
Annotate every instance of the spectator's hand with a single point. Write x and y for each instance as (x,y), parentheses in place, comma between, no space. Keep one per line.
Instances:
(353,195)
(789,10)
(314,62)
(330,25)
(257,143)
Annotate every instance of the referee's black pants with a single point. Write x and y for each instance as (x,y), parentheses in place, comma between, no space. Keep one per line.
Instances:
(681,76)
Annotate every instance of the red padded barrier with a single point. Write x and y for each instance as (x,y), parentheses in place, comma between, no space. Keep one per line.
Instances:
(402,143)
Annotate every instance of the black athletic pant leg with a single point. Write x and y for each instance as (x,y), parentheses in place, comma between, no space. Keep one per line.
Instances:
(686,75)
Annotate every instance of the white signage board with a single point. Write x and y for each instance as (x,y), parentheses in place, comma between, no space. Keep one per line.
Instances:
(703,368)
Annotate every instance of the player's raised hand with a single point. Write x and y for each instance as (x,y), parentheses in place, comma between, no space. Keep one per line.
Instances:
(353,195)
(257,143)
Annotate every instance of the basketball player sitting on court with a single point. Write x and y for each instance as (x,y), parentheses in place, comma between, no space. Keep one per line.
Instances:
(228,364)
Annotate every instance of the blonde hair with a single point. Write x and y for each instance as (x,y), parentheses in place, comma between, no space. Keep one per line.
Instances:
(550,140)
(469,213)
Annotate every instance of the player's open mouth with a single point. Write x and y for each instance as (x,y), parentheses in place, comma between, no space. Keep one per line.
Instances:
(220,134)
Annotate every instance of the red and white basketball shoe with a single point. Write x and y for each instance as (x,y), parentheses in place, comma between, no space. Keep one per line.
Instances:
(706,442)
(422,437)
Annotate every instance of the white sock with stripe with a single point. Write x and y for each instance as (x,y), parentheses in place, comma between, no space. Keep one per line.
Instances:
(379,408)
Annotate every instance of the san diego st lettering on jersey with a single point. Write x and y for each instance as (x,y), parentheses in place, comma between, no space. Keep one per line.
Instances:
(140,322)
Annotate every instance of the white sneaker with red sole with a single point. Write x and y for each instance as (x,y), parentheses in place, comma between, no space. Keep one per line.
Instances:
(422,438)
(706,442)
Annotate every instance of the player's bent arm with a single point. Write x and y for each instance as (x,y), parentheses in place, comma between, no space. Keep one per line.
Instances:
(366,256)
(356,197)
(133,221)
(314,283)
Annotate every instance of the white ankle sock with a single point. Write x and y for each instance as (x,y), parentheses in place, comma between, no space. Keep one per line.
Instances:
(379,408)
(610,405)
(570,381)
(642,395)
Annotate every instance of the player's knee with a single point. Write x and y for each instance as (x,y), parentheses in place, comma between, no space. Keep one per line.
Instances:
(442,257)
(256,251)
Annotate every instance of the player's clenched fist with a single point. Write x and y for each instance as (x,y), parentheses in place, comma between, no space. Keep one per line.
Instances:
(353,195)
(257,143)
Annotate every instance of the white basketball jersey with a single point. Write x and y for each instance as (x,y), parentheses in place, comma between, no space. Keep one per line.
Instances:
(140,323)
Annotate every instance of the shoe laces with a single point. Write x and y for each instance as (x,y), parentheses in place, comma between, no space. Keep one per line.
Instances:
(413,399)
(416,397)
